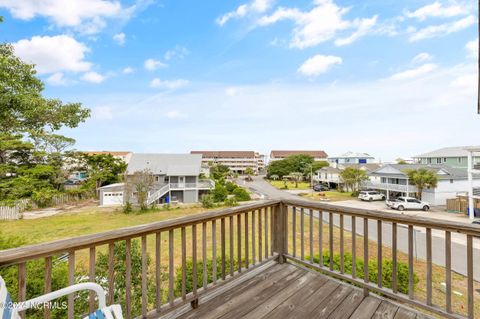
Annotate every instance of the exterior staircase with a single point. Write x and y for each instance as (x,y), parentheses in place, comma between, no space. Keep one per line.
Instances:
(158,193)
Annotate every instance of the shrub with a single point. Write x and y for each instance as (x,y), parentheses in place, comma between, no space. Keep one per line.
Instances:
(44,197)
(127,208)
(387,266)
(231,187)
(219,193)
(241,194)
(207,201)
(230,202)
(189,273)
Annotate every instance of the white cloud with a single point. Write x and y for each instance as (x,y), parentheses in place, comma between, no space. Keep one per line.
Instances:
(320,24)
(168,84)
(56,79)
(178,52)
(102,113)
(472,48)
(87,16)
(53,53)
(255,7)
(414,73)
(422,57)
(318,64)
(93,77)
(442,29)
(152,64)
(119,38)
(175,114)
(437,9)
(128,70)
(364,26)
(231,91)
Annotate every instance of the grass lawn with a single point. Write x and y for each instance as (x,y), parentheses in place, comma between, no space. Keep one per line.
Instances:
(331,196)
(290,184)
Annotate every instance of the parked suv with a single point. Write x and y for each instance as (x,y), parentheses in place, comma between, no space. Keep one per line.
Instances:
(402,203)
(371,195)
(320,188)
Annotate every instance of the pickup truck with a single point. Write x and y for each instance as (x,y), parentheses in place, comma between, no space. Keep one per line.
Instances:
(402,203)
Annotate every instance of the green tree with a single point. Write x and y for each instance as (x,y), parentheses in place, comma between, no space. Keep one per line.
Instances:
(297,177)
(102,169)
(353,178)
(249,172)
(422,178)
(139,184)
(294,163)
(219,171)
(31,154)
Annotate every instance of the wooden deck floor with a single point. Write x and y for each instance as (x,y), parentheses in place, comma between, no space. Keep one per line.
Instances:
(288,291)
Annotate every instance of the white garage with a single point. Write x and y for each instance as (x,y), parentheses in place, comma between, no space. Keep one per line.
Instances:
(112,195)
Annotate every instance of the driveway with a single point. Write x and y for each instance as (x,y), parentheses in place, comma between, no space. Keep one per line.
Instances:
(459,251)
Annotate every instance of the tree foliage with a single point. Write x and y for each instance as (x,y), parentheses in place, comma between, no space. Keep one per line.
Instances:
(294,163)
(422,178)
(31,153)
(353,178)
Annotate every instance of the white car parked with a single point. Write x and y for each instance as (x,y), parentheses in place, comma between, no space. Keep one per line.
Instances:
(402,203)
(371,195)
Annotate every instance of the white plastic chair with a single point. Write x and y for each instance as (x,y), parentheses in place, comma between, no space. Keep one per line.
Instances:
(10,310)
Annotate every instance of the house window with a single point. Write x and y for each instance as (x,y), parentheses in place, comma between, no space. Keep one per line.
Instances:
(439,161)
(429,161)
(384,179)
(460,160)
(156,178)
(444,159)
(451,181)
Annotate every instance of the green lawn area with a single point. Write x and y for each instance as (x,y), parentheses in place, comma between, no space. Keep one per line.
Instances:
(291,185)
(331,196)
(88,220)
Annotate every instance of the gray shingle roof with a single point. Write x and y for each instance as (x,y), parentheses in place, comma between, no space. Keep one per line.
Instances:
(450,172)
(456,151)
(166,164)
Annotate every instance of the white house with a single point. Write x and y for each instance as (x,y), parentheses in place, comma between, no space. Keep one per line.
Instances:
(473,160)
(331,174)
(392,179)
(351,158)
(176,179)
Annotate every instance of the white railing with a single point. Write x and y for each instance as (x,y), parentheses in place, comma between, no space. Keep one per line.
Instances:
(158,193)
(390,187)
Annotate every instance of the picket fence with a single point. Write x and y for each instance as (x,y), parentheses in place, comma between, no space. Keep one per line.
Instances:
(16,210)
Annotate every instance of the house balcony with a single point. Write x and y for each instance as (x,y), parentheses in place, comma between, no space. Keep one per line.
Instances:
(390,187)
(204,184)
(267,260)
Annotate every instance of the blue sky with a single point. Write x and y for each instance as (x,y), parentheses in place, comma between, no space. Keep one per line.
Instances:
(392,78)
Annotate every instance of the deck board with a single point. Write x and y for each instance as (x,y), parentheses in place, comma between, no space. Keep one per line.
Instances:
(289,291)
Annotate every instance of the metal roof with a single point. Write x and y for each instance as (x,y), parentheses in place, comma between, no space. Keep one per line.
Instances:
(353,155)
(166,164)
(441,170)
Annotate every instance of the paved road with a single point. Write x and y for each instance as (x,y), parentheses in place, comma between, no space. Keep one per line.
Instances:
(459,251)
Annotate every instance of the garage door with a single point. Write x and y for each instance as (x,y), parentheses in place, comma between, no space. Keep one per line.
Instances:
(112,198)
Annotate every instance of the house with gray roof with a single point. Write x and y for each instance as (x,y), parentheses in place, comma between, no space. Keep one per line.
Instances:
(393,181)
(351,158)
(455,156)
(175,179)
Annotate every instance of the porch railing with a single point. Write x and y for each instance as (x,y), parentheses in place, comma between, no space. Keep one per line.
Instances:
(191,255)
(391,187)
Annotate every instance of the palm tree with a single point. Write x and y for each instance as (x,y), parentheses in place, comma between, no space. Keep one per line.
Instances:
(422,178)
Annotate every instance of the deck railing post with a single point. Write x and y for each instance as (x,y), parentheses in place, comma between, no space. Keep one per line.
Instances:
(279,231)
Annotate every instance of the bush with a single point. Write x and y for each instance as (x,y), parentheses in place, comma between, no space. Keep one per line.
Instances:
(230,202)
(231,187)
(189,273)
(219,193)
(387,266)
(207,201)
(241,194)
(127,208)
(44,197)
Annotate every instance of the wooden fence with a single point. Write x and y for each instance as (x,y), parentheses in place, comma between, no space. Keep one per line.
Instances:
(15,211)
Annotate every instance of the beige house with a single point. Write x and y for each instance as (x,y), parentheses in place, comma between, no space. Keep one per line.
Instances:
(236,161)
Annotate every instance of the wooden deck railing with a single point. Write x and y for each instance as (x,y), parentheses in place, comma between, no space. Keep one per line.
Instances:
(329,240)
(219,245)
